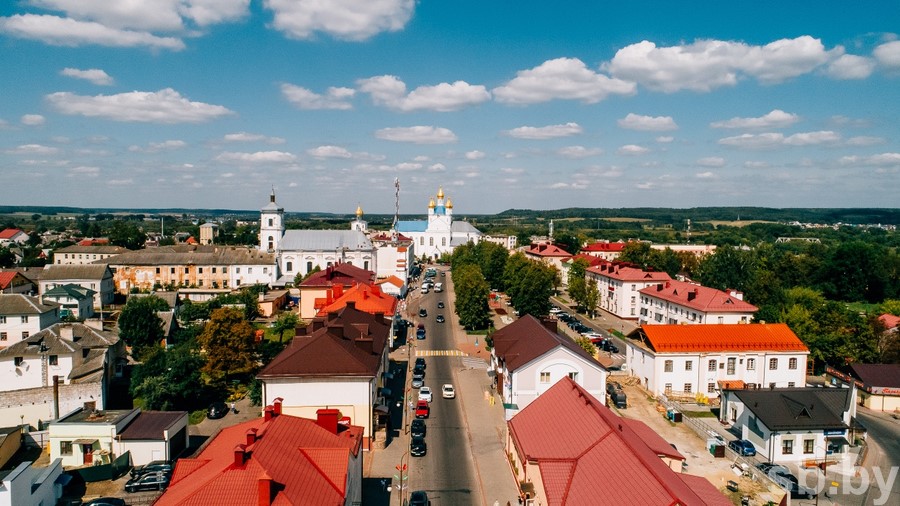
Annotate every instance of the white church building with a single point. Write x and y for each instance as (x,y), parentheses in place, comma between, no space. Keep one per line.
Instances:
(301,251)
(438,234)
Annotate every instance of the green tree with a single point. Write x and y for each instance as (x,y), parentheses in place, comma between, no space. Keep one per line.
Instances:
(7,258)
(170,379)
(139,326)
(127,235)
(855,271)
(533,289)
(287,320)
(891,306)
(471,297)
(666,261)
(728,267)
(636,252)
(228,342)
(592,297)
(513,272)
(586,344)
(577,282)
(568,241)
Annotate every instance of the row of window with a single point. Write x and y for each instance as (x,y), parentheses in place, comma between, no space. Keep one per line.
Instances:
(431,241)
(545,377)
(4,336)
(51,359)
(711,387)
(713,365)
(787,446)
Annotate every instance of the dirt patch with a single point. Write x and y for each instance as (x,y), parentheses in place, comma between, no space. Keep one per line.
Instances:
(500,311)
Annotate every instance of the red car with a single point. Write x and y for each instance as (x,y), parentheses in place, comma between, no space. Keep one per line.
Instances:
(422,409)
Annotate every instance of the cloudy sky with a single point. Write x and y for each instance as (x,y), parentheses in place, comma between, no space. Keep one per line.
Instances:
(529,104)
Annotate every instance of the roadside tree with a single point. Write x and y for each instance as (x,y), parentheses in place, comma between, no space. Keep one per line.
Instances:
(139,326)
(227,340)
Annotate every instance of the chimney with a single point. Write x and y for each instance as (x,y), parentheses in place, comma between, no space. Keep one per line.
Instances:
(549,324)
(336,330)
(67,332)
(376,290)
(268,413)
(667,284)
(328,419)
(659,287)
(239,455)
(736,294)
(337,290)
(251,436)
(265,490)
(276,404)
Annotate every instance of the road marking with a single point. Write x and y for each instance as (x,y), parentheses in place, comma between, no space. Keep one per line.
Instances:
(475,363)
(440,353)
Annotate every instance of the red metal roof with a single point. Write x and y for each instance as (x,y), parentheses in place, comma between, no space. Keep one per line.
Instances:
(890,321)
(705,338)
(605,247)
(627,272)
(306,463)
(701,298)
(547,250)
(574,462)
(9,233)
(527,338)
(345,274)
(368,298)
(6,278)
(590,259)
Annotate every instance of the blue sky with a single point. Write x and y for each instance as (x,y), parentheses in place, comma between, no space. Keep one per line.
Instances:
(537,105)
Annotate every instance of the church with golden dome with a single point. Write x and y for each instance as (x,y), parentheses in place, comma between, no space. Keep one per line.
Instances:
(438,234)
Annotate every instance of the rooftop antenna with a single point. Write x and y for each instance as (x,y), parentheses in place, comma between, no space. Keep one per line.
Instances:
(394,235)
(688,230)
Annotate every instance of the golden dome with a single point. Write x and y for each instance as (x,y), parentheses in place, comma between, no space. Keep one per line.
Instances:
(359,212)
(431,204)
(449,204)
(440,194)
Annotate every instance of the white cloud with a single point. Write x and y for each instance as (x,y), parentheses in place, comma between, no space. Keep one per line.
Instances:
(390,91)
(437,167)
(711,161)
(210,12)
(750,164)
(248,137)
(259,157)
(888,54)
(120,182)
(95,76)
(512,170)
(343,19)
(32,120)
(57,31)
(329,152)
(164,106)
(561,78)
(632,150)
(864,140)
(776,118)
(771,140)
(32,149)
(155,147)
(664,139)
(334,98)
(648,123)
(400,167)
(421,158)
(881,160)
(156,15)
(706,175)
(578,152)
(84,171)
(474,155)
(708,64)
(850,66)
(417,134)
(546,132)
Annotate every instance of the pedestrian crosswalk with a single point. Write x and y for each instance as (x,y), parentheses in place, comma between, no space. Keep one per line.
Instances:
(474,363)
(440,353)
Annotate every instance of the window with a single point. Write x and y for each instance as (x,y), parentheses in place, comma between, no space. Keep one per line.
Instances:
(573,376)
(688,388)
(632,299)
(751,364)
(309,267)
(773,364)
(249,270)
(200,270)
(18,361)
(809,445)
(289,267)
(787,446)
(237,270)
(271,222)
(2,319)
(24,335)
(213,270)
(731,362)
(224,270)
(791,384)
(266,270)
(792,363)
(186,270)
(668,389)
(199,282)
(172,270)
(421,241)
(443,241)
(633,287)
(65,448)
(712,366)
(24,319)
(366,265)
(3,336)
(545,377)
(53,359)
(668,366)
(431,241)
(710,388)
(721,319)
(271,243)
(689,365)
(157,270)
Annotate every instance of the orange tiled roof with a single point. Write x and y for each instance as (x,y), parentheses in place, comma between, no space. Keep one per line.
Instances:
(547,250)
(890,321)
(368,298)
(394,280)
(9,233)
(701,298)
(706,338)
(605,246)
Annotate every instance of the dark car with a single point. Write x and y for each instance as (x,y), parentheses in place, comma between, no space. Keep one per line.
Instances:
(165,466)
(418,373)
(150,481)
(419,498)
(418,447)
(619,399)
(440,318)
(440,304)
(742,447)
(417,428)
(609,346)
(420,333)
(217,410)
(613,387)
(423,312)
(420,363)
(105,501)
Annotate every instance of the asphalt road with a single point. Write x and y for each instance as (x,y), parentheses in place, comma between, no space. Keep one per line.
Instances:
(446,471)
(883,457)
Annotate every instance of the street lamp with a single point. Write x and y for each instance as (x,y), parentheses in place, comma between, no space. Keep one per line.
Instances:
(824,471)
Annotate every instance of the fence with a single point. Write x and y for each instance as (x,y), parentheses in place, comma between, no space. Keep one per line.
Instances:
(37,439)
(103,472)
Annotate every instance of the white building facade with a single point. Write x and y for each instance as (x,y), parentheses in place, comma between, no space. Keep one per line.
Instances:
(678,302)
(22,316)
(439,234)
(620,285)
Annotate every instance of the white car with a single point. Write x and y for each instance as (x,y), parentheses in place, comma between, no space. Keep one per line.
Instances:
(425,394)
(448,392)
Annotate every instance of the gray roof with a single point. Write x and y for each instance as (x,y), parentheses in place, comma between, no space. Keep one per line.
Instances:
(50,341)
(171,298)
(325,240)
(100,249)
(464,227)
(74,291)
(86,271)
(18,304)
(797,408)
(188,254)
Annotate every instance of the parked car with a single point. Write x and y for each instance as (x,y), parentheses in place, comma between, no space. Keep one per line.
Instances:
(440,318)
(420,362)
(105,501)
(422,409)
(418,382)
(418,428)
(440,304)
(420,333)
(613,387)
(418,447)
(619,399)
(418,373)
(149,481)
(423,312)
(217,410)
(448,392)
(425,394)
(419,498)
(154,466)
(743,447)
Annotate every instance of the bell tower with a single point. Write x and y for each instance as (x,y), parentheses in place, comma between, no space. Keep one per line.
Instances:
(271,225)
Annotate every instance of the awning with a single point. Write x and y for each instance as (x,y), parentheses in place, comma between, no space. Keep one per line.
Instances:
(840,440)
(84,441)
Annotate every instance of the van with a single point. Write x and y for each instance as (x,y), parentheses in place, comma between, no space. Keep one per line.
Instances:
(424,289)
(439,287)
(619,399)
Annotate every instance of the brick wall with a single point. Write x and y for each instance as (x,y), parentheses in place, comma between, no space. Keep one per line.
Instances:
(37,403)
